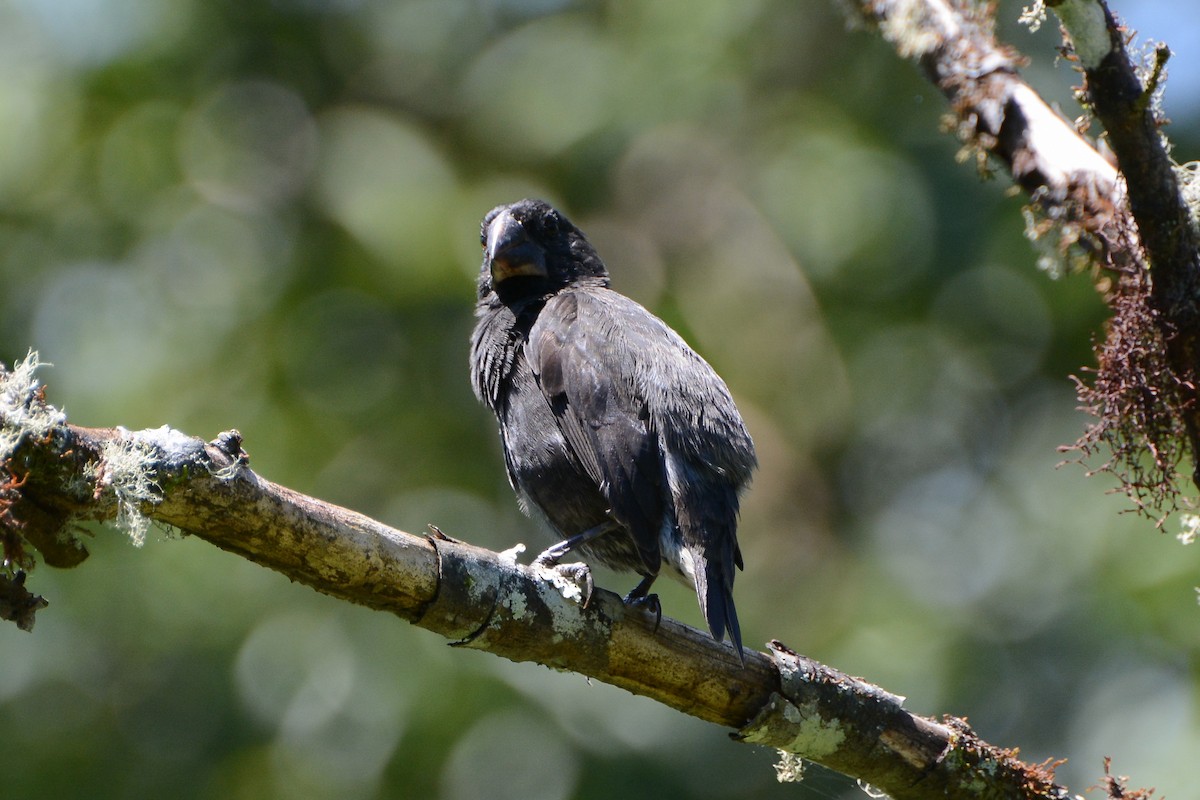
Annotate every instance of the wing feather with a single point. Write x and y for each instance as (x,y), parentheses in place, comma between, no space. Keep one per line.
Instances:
(655,428)
(584,369)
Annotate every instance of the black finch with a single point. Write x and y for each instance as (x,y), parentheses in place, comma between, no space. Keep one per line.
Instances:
(616,434)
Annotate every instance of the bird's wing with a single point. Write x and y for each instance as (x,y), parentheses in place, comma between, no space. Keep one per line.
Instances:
(652,402)
(655,427)
(586,364)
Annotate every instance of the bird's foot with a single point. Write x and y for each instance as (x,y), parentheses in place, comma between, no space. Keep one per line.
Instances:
(649,602)
(574,581)
(550,557)
(556,553)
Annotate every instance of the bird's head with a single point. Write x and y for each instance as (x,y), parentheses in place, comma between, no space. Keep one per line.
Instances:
(531,250)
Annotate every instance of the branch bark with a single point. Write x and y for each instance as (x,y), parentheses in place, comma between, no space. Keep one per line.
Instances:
(1168,234)
(59,473)
(1131,219)
(996,113)
(1125,107)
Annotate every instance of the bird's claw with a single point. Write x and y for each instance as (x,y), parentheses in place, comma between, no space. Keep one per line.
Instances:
(574,581)
(649,602)
(550,557)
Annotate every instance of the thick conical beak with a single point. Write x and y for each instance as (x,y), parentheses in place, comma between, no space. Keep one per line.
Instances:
(510,252)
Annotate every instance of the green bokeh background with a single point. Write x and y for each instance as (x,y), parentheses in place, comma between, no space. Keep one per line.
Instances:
(264,215)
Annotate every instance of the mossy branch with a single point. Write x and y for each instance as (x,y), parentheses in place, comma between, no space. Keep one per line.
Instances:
(997,116)
(1128,220)
(59,474)
(1124,97)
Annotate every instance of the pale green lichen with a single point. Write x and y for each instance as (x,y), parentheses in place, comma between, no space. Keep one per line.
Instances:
(553,588)
(23,413)
(517,605)
(814,735)
(1085,23)
(127,462)
(126,469)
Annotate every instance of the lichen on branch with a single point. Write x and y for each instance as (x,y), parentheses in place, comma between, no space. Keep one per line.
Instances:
(1131,222)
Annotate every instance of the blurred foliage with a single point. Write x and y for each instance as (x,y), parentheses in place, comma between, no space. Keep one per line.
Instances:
(264,216)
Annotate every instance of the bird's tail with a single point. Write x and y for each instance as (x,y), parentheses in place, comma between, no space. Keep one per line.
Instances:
(706,511)
(714,590)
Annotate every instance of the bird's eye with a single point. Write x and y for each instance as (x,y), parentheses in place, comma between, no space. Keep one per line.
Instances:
(550,223)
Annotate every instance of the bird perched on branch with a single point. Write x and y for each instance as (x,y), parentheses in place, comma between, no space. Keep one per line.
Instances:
(616,433)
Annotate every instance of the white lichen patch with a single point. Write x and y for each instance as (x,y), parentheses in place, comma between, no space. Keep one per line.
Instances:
(227,472)
(514,600)
(566,578)
(169,444)
(1190,525)
(511,555)
(126,469)
(917,27)
(561,592)
(568,626)
(1189,186)
(789,768)
(1033,16)
(517,606)
(22,411)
